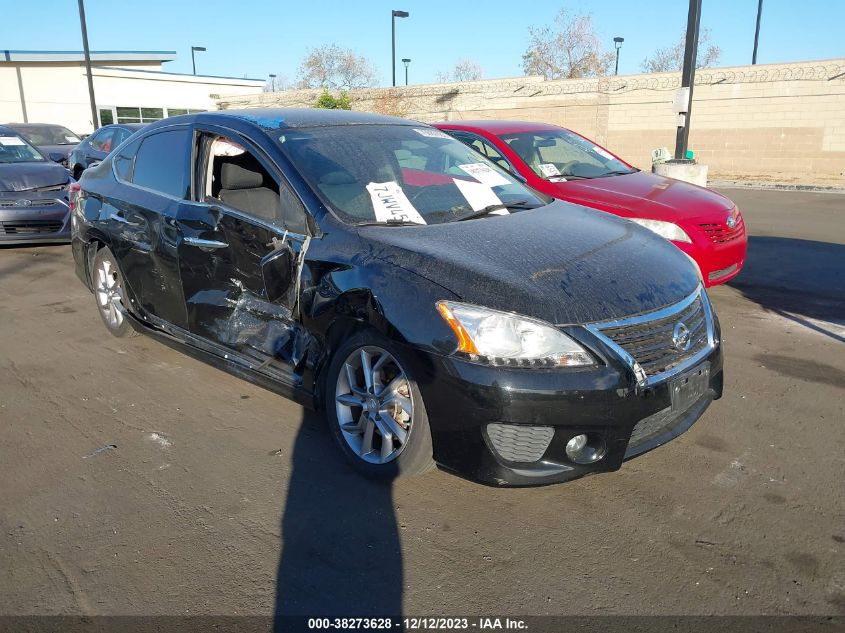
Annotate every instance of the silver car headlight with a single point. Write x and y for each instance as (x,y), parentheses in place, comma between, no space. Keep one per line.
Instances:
(669,230)
(503,338)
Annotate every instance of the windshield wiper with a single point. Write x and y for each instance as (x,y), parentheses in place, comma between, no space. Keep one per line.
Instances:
(569,177)
(389,222)
(618,172)
(519,204)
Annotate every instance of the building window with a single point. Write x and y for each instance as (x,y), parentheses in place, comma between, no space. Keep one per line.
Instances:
(139,115)
(126,114)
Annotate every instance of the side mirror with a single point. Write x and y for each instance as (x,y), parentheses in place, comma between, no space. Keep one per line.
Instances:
(57,157)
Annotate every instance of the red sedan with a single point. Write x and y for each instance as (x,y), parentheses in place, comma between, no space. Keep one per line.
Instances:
(704,224)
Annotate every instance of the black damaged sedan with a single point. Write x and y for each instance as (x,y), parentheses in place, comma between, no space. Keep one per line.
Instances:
(435,308)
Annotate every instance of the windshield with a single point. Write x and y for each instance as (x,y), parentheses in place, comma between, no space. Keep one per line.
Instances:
(13,149)
(47,134)
(402,174)
(559,155)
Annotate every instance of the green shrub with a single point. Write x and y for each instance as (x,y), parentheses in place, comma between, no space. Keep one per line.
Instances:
(328,101)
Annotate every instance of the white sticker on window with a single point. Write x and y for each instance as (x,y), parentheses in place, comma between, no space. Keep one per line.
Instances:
(430,132)
(477,194)
(391,203)
(11,140)
(603,153)
(71,139)
(485,174)
(557,179)
(549,169)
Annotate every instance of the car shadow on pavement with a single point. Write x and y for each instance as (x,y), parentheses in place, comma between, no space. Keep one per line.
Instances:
(341,555)
(801,280)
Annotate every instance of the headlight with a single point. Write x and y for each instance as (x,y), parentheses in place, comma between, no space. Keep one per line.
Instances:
(669,230)
(502,338)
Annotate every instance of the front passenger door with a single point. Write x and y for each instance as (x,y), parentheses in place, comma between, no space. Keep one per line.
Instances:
(239,253)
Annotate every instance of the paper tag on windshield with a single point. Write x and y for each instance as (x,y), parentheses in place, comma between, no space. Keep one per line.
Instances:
(478,195)
(431,132)
(557,179)
(11,140)
(71,139)
(391,203)
(549,169)
(485,174)
(603,153)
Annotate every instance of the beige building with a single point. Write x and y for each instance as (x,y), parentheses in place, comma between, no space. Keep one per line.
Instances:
(129,87)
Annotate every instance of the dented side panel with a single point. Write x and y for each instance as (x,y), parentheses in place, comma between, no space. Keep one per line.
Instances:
(226,288)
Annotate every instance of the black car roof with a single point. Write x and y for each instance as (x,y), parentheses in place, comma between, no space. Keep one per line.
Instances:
(288,118)
(38,125)
(8,131)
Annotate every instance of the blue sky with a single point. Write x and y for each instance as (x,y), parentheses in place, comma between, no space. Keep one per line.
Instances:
(258,37)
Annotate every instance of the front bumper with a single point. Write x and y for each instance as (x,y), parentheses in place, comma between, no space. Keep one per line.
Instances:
(719,259)
(28,217)
(462,398)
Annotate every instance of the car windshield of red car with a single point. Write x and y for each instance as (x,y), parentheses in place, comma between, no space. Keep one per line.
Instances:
(558,155)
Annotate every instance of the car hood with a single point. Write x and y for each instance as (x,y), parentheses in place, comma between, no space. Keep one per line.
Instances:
(646,195)
(561,263)
(25,176)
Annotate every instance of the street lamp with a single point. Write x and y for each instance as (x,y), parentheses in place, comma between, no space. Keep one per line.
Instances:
(757,32)
(94,118)
(272,82)
(406,61)
(200,49)
(393,15)
(617,41)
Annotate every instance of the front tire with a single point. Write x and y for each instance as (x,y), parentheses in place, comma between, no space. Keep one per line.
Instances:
(375,409)
(109,294)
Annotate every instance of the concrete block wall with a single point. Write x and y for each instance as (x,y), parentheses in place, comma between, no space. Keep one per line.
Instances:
(777,122)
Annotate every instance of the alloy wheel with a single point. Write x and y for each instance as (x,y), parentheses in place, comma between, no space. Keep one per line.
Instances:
(109,294)
(374,404)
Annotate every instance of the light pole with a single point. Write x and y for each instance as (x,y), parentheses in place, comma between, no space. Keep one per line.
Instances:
(688,76)
(95,120)
(393,15)
(406,61)
(617,41)
(272,82)
(200,49)
(757,31)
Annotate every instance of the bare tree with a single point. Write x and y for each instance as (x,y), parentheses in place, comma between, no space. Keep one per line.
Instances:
(570,48)
(671,58)
(464,70)
(330,66)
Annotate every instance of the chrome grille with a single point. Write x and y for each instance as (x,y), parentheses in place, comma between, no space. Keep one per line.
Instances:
(42,202)
(651,343)
(721,233)
(30,227)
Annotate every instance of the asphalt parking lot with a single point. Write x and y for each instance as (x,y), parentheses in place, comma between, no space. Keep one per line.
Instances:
(136,480)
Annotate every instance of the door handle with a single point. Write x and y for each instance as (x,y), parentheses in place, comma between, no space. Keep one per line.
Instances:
(210,244)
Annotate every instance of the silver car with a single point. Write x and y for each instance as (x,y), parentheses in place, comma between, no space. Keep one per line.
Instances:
(34,205)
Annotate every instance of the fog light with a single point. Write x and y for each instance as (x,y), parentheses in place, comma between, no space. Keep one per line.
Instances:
(585,448)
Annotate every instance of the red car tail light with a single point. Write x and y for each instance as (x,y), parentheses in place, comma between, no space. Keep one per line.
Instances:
(73,189)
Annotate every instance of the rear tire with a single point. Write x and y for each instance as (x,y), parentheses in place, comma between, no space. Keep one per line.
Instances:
(109,294)
(375,410)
